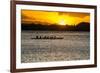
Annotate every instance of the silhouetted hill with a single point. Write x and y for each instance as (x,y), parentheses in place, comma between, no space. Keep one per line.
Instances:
(83,26)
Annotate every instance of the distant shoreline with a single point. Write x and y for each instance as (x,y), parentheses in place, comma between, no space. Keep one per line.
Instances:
(53,31)
(83,26)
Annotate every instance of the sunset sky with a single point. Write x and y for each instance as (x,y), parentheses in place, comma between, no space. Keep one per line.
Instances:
(49,18)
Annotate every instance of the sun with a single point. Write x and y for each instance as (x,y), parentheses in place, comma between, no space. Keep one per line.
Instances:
(62,22)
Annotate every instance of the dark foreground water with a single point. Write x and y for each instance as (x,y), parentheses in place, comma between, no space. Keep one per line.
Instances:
(73,46)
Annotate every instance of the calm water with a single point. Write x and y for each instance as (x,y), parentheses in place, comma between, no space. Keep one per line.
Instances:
(73,46)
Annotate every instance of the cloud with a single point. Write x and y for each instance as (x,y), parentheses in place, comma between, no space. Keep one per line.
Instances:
(43,17)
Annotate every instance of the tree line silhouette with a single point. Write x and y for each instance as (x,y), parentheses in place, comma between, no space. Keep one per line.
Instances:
(83,26)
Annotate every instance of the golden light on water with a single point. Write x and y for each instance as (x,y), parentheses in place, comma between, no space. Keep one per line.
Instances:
(57,18)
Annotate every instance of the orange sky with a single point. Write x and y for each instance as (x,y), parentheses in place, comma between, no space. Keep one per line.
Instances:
(48,18)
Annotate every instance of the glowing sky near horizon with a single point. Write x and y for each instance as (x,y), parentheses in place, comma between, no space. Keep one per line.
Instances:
(49,17)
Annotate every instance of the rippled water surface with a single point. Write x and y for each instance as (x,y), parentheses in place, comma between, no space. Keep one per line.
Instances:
(73,46)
